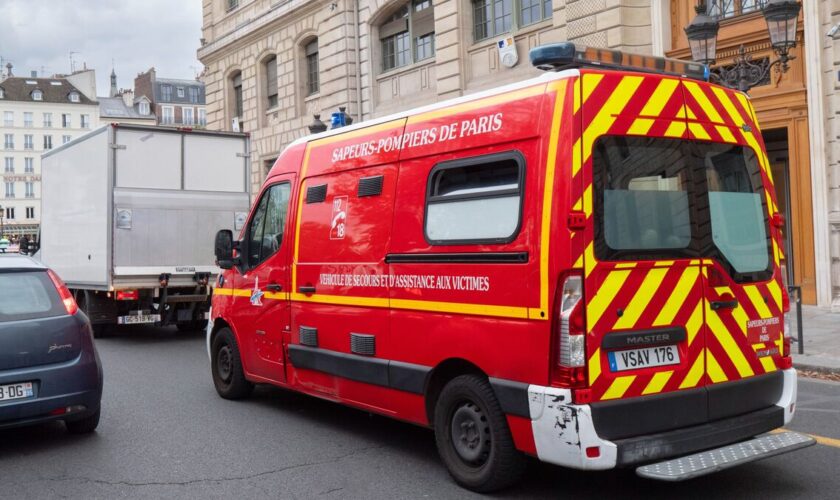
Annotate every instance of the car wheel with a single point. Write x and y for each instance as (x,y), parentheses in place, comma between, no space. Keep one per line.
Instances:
(84,425)
(228,376)
(473,437)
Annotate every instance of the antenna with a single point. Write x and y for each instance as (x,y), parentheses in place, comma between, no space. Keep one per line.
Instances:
(72,62)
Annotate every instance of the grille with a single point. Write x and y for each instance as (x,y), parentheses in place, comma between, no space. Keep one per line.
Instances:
(316,194)
(370,186)
(362,344)
(308,336)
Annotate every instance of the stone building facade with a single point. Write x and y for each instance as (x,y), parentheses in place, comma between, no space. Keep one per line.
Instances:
(271,65)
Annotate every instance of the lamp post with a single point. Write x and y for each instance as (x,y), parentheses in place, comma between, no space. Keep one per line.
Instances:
(781,17)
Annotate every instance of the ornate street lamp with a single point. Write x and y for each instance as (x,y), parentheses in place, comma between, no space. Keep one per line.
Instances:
(781,17)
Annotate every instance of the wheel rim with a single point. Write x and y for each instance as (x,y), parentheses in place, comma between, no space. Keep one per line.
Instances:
(224,363)
(470,433)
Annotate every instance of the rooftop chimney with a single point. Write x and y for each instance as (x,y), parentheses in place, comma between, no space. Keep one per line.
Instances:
(8,69)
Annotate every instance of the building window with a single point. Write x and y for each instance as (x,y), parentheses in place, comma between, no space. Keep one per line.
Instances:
(8,118)
(313,81)
(494,17)
(30,189)
(168,117)
(731,8)
(47,120)
(10,191)
(30,212)
(47,142)
(180,92)
(2,93)
(408,35)
(9,165)
(231,4)
(236,83)
(187,116)
(202,117)
(143,108)
(29,165)
(65,120)
(10,211)
(85,121)
(194,95)
(27,119)
(74,97)
(65,139)
(9,141)
(270,72)
(166,93)
(37,95)
(27,141)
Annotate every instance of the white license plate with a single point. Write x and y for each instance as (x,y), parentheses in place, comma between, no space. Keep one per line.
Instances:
(16,391)
(136,319)
(632,359)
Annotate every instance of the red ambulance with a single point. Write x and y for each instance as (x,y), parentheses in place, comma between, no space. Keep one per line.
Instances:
(582,267)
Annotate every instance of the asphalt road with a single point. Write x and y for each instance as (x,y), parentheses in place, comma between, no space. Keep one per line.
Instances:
(166,434)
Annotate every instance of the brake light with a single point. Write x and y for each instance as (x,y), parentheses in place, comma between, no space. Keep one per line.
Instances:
(66,297)
(569,328)
(128,294)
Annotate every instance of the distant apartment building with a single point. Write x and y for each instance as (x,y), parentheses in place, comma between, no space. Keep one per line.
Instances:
(122,107)
(174,102)
(38,114)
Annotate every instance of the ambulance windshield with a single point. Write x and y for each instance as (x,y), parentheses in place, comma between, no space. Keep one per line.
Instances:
(669,198)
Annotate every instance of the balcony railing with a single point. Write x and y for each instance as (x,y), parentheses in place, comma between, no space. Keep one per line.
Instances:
(723,9)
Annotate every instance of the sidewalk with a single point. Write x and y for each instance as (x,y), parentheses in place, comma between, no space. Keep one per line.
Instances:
(821,331)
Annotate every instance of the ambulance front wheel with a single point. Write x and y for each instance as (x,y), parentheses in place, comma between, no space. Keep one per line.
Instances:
(228,376)
(473,437)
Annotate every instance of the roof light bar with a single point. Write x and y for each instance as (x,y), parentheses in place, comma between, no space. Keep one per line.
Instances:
(564,55)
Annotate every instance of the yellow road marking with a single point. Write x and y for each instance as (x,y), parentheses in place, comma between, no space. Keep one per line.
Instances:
(827,441)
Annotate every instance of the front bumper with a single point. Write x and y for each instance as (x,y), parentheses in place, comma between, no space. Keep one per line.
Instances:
(563,431)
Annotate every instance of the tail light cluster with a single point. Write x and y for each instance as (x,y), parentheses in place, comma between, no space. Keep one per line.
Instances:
(787,361)
(128,295)
(66,297)
(569,332)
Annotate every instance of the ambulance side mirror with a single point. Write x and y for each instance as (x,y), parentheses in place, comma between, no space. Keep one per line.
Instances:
(224,249)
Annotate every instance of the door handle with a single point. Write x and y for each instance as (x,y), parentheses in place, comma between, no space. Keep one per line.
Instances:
(306,289)
(274,287)
(724,304)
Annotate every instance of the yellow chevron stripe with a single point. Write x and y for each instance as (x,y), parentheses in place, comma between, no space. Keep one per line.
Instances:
(766,361)
(704,102)
(675,129)
(713,369)
(590,83)
(606,116)
(605,295)
(778,255)
(640,126)
(660,97)
(587,200)
(642,298)
(589,258)
(625,265)
(658,382)
(694,374)
(678,296)
(695,322)
(595,366)
(618,387)
(689,113)
(699,131)
(725,133)
(724,338)
(757,301)
(775,293)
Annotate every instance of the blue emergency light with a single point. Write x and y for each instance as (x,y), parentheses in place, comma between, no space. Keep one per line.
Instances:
(565,55)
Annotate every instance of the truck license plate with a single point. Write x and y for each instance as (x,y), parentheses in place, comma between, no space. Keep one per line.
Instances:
(632,359)
(16,391)
(137,319)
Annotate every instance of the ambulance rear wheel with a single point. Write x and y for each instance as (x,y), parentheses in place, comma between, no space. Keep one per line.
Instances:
(473,438)
(228,376)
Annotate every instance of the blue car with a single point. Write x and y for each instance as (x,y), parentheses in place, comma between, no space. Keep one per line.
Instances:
(49,367)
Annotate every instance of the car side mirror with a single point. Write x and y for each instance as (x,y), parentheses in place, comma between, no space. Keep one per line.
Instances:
(224,249)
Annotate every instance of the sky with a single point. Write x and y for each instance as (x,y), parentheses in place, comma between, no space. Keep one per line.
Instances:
(38,35)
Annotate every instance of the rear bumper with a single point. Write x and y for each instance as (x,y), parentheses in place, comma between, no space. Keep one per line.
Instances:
(75,383)
(563,431)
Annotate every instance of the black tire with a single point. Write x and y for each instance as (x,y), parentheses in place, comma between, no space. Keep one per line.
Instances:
(192,326)
(473,437)
(226,365)
(83,426)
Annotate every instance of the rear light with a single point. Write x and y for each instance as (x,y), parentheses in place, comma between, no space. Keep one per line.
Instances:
(593,452)
(66,297)
(570,334)
(786,361)
(128,295)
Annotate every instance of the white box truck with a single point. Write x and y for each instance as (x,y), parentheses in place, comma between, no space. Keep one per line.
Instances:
(129,215)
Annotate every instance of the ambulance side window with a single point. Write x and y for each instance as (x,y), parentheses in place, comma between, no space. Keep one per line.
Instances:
(265,233)
(475,200)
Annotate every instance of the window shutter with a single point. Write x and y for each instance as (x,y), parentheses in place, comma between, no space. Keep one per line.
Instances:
(392,28)
(423,22)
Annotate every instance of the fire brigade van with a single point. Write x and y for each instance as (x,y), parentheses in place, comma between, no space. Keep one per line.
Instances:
(583,267)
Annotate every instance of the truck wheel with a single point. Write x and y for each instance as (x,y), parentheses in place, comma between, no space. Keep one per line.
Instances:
(228,376)
(473,437)
(84,425)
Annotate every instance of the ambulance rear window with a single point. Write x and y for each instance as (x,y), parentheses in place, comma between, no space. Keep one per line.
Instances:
(475,200)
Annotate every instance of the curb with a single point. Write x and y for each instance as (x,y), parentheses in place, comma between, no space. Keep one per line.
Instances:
(818,369)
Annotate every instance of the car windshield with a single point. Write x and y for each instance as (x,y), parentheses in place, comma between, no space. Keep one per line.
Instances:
(671,198)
